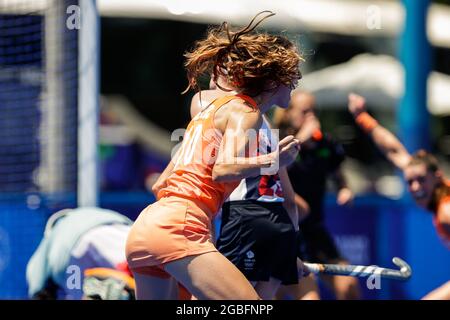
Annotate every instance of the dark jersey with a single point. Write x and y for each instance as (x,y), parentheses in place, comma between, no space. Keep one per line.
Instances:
(308,174)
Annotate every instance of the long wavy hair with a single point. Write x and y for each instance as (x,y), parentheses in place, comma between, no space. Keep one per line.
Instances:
(248,60)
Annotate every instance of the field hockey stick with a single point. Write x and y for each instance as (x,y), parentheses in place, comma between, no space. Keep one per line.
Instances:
(363,271)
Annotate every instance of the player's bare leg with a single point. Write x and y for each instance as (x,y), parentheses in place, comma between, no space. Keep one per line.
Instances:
(155,288)
(211,276)
(441,293)
(267,289)
(345,288)
(306,289)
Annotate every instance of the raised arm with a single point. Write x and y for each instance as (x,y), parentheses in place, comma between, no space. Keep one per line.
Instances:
(309,128)
(387,142)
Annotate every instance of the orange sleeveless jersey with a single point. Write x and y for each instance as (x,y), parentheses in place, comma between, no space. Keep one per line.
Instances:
(442,232)
(192,174)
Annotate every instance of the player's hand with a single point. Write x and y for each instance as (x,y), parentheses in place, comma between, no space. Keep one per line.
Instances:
(288,149)
(356,104)
(303,270)
(310,125)
(345,197)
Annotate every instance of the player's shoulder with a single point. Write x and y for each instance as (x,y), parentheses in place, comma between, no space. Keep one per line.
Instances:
(200,100)
(240,115)
(241,110)
(236,113)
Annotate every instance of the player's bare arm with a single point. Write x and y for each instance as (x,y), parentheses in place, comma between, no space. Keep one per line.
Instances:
(289,197)
(161,182)
(231,163)
(345,194)
(387,142)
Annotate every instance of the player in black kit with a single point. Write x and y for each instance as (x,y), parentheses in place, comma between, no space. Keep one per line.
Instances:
(320,158)
(258,229)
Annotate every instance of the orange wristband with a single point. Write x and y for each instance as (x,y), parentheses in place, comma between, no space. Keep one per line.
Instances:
(317,135)
(366,122)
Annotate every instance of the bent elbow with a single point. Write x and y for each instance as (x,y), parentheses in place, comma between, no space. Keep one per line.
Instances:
(155,189)
(157,186)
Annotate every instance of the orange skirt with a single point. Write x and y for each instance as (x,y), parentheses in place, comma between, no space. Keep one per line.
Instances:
(168,230)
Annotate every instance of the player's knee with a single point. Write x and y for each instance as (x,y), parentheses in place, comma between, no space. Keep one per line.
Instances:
(347,289)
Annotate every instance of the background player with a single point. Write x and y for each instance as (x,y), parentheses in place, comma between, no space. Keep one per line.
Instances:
(320,158)
(425,181)
(77,243)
